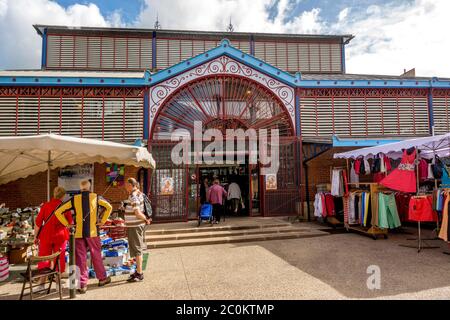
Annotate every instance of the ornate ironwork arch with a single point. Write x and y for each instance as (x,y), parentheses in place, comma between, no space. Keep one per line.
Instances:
(241,90)
(222,102)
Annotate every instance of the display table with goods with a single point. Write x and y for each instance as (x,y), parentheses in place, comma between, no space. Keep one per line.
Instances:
(17,234)
(115,255)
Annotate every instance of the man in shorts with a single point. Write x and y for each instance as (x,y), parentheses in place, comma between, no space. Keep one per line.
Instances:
(136,223)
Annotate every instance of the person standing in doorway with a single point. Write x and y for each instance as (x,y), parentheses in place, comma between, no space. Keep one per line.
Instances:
(136,223)
(203,191)
(234,196)
(215,197)
(86,206)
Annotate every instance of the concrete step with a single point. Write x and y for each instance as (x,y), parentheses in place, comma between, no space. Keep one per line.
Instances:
(220,233)
(206,227)
(309,233)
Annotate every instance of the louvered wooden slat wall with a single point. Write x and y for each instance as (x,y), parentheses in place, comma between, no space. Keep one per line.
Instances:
(441,109)
(114,119)
(299,56)
(98,52)
(172,51)
(132,53)
(364,116)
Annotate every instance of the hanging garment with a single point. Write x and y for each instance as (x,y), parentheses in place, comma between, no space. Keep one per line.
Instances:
(445,177)
(421,209)
(387,163)
(402,200)
(378,177)
(357,208)
(376,165)
(358,166)
(362,210)
(444,234)
(351,211)
(440,201)
(346,201)
(366,208)
(330,209)
(423,169)
(430,174)
(403,178)
(366,166)
(345,182)
(324,205)
(354,178)
(382,164)
(374,220)
(318,209)
(362,169)
(387,212)
(336,184)
(437,167)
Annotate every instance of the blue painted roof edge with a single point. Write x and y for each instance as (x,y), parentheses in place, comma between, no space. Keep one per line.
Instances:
(360,142)
(71,81)
(224,49)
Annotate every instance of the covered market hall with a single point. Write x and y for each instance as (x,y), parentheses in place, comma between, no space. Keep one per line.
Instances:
(141,85)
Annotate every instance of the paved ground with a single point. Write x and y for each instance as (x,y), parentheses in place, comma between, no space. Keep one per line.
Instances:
(329,267)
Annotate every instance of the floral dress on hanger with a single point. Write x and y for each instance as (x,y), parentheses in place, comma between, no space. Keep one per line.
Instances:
(404,177)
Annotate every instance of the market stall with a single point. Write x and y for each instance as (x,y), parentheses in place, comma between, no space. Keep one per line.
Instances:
(21,157)
(410,184)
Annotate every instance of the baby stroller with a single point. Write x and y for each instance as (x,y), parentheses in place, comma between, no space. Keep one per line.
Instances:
(206,213)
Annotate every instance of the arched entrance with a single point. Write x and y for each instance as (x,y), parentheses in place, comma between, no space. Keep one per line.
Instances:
(222,101)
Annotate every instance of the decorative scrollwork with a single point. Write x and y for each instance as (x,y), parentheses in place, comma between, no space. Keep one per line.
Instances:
(223,66)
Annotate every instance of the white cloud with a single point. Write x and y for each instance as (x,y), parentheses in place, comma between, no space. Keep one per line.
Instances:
(395,37)
(214,15)
(21,46)
(390,38)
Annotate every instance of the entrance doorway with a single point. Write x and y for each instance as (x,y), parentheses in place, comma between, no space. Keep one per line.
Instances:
(244,175)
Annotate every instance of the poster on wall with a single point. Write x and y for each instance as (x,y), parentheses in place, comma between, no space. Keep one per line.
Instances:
(271,182)
(167,186)
(115,174)
(70,177)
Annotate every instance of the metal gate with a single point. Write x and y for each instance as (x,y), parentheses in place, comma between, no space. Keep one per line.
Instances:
(168,185)
(286,198)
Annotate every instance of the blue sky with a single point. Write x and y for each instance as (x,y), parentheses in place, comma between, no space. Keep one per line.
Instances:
(391,35)
(130,9)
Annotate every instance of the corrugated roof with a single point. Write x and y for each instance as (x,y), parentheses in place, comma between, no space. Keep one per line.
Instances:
(70,74)
(345,37)
(349,76)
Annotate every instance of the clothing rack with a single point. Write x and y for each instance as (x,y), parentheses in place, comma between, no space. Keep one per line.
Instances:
(374,232)
(421,243)
(333,221)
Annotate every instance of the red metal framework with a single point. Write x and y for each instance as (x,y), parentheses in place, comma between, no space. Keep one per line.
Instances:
(114,114)
(222,101)
(287,198)
(359,112)
(71,92)
(441,110)
(361,92)
(169,206)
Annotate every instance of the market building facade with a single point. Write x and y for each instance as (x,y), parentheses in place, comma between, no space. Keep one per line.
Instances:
(129,85)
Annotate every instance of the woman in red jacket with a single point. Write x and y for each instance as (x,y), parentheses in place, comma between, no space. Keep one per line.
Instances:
(54,236)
